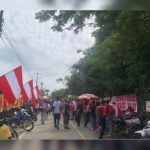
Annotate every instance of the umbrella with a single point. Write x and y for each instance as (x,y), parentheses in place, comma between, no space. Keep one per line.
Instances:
(88,97)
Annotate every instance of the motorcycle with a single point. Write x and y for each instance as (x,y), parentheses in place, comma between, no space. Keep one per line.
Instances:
(144,133)
(126,127)
(21,119)
(7,131)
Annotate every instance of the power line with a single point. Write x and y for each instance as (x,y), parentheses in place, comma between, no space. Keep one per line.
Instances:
(7,49)
(18,56)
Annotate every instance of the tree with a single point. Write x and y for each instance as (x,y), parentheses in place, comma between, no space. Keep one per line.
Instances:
(118,63)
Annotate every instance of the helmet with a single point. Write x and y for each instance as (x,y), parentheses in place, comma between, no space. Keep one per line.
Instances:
(128,114)
(148,123)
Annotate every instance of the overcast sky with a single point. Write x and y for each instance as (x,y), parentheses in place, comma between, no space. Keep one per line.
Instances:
(41,50)
(55,4)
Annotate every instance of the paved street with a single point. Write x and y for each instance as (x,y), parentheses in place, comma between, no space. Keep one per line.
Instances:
(48,131)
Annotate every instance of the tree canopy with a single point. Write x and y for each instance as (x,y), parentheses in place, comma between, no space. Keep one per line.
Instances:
(119,61)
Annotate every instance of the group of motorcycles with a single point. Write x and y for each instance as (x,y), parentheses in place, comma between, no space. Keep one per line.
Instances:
(132,127)
(19,118)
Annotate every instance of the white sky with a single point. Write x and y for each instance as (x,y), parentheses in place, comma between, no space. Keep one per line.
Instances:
(41,49)
(58,4)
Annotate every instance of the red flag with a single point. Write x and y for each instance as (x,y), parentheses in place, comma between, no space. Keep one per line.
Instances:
(27,94)
(32,93)
(39,91)
(11,85)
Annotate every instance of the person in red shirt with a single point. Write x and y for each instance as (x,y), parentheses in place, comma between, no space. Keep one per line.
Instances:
(78,113)
(87,115)
(110,117)
(102,114)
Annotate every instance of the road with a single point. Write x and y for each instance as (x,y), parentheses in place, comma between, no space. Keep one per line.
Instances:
(47,131)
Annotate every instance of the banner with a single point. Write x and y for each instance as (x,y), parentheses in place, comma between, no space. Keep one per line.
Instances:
(148,106)
(125,101)
(33,95)
(132,102)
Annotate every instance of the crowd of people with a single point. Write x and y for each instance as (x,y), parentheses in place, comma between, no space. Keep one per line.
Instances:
(99,114)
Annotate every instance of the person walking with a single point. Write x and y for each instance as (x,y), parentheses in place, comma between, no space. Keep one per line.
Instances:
(87,115)
(74,108)
(93,116)
(43,112)
(110,118)
(78,113)
(71,108)
(66,114)
(56,112)
(102,114)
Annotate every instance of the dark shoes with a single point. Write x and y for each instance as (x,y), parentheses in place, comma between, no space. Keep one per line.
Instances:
(66,128)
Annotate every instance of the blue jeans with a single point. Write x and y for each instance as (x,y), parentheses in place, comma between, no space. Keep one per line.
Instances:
(56,120)
(93,121)
(109,122)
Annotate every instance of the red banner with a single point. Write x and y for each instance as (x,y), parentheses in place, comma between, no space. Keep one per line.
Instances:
(125,101)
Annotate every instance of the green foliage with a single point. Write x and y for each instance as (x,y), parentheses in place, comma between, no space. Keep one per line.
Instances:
(62,93)
(119,61)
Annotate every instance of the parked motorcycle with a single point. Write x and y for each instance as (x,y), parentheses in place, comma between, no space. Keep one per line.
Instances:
(7,131)
(126,127)
(21,119)
(144,133)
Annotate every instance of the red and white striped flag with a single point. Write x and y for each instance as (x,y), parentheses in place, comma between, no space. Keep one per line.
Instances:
(35,93)
(39,91)
(27,94)
(11,85)
(32,93)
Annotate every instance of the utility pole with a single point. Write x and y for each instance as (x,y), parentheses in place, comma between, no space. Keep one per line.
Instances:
(1,22)
(37,78)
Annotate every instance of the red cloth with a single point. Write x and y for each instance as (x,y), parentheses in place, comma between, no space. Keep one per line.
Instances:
(89,105)
(120,113)
(111,110)
(130,109)
(11,85)
(103,111)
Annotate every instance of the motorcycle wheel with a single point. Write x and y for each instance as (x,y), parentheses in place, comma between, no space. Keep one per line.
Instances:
(34,118)
(28,125)
(135,136)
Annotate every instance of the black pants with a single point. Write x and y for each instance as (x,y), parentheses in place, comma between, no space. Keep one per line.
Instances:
(103,127)
(56,120)
(78,118)
(87,118)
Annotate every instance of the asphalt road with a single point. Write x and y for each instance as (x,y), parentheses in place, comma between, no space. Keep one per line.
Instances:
(47,131)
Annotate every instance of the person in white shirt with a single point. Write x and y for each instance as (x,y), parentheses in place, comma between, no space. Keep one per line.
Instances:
(56,112)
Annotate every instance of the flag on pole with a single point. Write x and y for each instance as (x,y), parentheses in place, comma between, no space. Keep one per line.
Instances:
(32,93)
(35,93)
(27,94)
(39,91)
(11,85)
